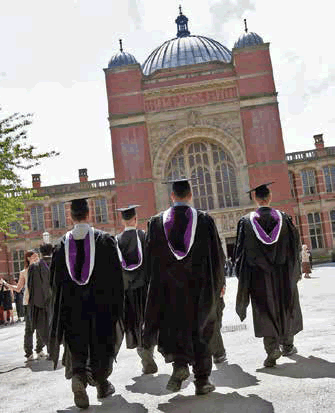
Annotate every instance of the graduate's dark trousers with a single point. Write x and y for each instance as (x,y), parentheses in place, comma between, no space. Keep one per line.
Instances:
(202,366)
(216,344)
(89,356)
(272,343)
(28,336)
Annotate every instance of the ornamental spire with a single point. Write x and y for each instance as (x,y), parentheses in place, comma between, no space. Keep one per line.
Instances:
(182,26)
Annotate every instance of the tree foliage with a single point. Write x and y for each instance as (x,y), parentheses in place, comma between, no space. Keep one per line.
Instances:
(15,154)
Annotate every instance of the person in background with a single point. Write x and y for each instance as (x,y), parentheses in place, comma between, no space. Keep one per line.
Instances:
(305,263)
(229,267)
(310,258)
(267,262)
(6,302)
(18,298)
(40,295)
(130,247)
(30,257)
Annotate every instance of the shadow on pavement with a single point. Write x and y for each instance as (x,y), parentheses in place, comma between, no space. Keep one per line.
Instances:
(42,365)
(155,385)
(217,403)
(111,404)
(232,375)
(303,368)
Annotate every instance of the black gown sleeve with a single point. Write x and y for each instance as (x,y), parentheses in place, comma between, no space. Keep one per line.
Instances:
(238,249)
(242,272)
(295,248)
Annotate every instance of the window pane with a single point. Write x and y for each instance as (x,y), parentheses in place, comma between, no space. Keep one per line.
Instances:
(198,158)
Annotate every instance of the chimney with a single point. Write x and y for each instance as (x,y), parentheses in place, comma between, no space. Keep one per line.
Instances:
(36,178)
(318,141)
(83,175)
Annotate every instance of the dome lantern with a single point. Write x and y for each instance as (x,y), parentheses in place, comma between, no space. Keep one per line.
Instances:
(182,25)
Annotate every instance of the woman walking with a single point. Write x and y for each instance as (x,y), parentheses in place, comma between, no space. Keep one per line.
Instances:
(306,266)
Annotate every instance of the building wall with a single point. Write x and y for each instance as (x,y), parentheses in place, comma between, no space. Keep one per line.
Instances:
(28,239)
(321,202)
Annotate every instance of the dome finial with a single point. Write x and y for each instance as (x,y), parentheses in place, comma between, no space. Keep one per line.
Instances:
(182,25)
(245,26)
(121,48)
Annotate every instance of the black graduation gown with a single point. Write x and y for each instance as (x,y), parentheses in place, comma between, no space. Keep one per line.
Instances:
(183,294)
(135,285)
(39,297)
(88,313)
(268,275)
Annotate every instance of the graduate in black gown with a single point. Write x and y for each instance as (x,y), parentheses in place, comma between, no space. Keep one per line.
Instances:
(130,246)
(87,305)
(267,263)
(186,272)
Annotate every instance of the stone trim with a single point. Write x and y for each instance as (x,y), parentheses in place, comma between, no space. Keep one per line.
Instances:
(189,88)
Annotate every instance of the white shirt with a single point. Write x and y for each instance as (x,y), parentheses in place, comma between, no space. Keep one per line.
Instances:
(80,231)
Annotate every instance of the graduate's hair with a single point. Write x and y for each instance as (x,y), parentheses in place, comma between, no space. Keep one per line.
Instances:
(27,255)
(262,192)
(181,189)
(79,210)
(46,249)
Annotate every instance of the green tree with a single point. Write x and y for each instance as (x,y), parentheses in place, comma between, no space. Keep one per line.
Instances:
(15,155)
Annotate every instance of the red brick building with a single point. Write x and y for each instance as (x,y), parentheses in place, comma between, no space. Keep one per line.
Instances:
(194,108)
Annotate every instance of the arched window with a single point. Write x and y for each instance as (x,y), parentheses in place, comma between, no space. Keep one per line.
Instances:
(329,172)
(308,181)
(315,230)
(215,184)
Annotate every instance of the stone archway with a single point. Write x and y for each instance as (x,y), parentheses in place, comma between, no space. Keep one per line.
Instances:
(197,133)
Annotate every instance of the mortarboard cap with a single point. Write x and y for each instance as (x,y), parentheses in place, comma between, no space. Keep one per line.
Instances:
(260,190)
(128,212)
(180,185)
(79,204)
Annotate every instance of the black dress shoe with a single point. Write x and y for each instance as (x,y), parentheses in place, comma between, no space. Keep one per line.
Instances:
(148,362)
(79,391)
(105,389)
(203,387)
(270,361)
(178,376)
(220,359)
(289,351)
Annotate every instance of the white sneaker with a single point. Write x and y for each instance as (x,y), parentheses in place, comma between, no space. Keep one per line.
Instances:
(40,355)
(30,358)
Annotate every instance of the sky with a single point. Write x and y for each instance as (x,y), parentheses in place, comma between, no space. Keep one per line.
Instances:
(53,54)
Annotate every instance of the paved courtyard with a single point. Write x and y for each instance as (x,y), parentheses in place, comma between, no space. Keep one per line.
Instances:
(303,383)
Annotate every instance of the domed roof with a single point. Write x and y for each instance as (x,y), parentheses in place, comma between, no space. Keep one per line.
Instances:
(248,38)
(122,59)
(185,50)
